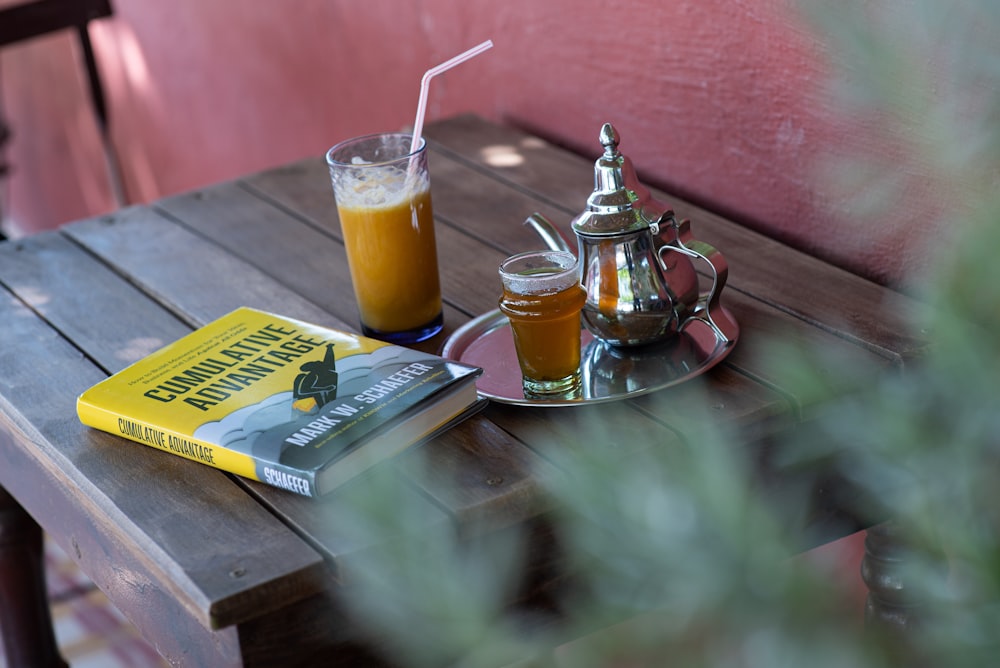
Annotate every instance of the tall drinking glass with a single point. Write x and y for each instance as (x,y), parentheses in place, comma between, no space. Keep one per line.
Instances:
(383,195)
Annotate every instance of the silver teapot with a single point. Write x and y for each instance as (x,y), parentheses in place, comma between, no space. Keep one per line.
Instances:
(636,260)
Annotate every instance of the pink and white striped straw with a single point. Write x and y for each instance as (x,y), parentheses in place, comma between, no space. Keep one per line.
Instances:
(418,124)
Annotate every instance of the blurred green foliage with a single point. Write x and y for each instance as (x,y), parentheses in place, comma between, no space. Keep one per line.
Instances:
(678,560)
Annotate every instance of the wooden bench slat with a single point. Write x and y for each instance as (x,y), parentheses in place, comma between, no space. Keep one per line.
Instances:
(174,526)
(462,232)
(50,264)
(199,286)
(302,254)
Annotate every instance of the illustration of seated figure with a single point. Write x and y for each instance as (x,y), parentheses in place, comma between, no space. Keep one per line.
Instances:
(317,384)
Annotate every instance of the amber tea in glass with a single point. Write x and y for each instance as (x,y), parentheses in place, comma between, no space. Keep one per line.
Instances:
(542,297)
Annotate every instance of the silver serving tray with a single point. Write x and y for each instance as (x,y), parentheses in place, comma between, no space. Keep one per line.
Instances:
(607,373)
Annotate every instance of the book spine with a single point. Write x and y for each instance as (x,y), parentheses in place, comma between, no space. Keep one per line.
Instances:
(210,454)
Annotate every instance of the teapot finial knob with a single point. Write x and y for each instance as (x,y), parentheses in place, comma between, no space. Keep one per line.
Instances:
(609,140)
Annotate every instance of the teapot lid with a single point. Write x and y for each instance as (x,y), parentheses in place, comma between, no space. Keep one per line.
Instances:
(620,204)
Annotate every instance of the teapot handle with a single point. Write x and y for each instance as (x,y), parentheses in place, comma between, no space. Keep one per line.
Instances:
(708,310)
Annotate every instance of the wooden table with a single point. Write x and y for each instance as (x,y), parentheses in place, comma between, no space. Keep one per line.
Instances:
(219,571)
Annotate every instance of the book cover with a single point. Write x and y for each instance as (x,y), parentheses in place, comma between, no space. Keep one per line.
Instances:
(298,406)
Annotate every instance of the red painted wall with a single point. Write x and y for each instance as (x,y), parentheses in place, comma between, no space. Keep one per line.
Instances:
(720,100)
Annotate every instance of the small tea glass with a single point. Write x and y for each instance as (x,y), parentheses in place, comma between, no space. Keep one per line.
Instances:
(383,195)
(542,297)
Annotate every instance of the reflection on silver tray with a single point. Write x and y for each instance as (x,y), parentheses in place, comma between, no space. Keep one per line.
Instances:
(607,373)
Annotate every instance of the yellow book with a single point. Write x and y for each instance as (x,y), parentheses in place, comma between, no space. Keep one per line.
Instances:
(298,406)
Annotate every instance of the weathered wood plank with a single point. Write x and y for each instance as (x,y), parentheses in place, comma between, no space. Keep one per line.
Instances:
(520,159)
(763,328)
(616,427)
(140,522)
(308,261)
(819,294)
(305,255)
(77,294)
(470,243)
(329,524)
(186,273)
(748,409)
(473,470)
(302,188)
(464,198)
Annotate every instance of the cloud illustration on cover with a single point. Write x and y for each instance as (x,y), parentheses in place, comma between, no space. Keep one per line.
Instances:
(238,430)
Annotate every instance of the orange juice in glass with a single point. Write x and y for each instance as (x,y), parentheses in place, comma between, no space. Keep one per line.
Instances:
(542,297)
(383,199)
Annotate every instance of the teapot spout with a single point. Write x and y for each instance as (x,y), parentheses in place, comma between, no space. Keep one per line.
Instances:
(549,233)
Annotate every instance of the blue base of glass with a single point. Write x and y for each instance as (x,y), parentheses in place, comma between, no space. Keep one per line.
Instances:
(421,333)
